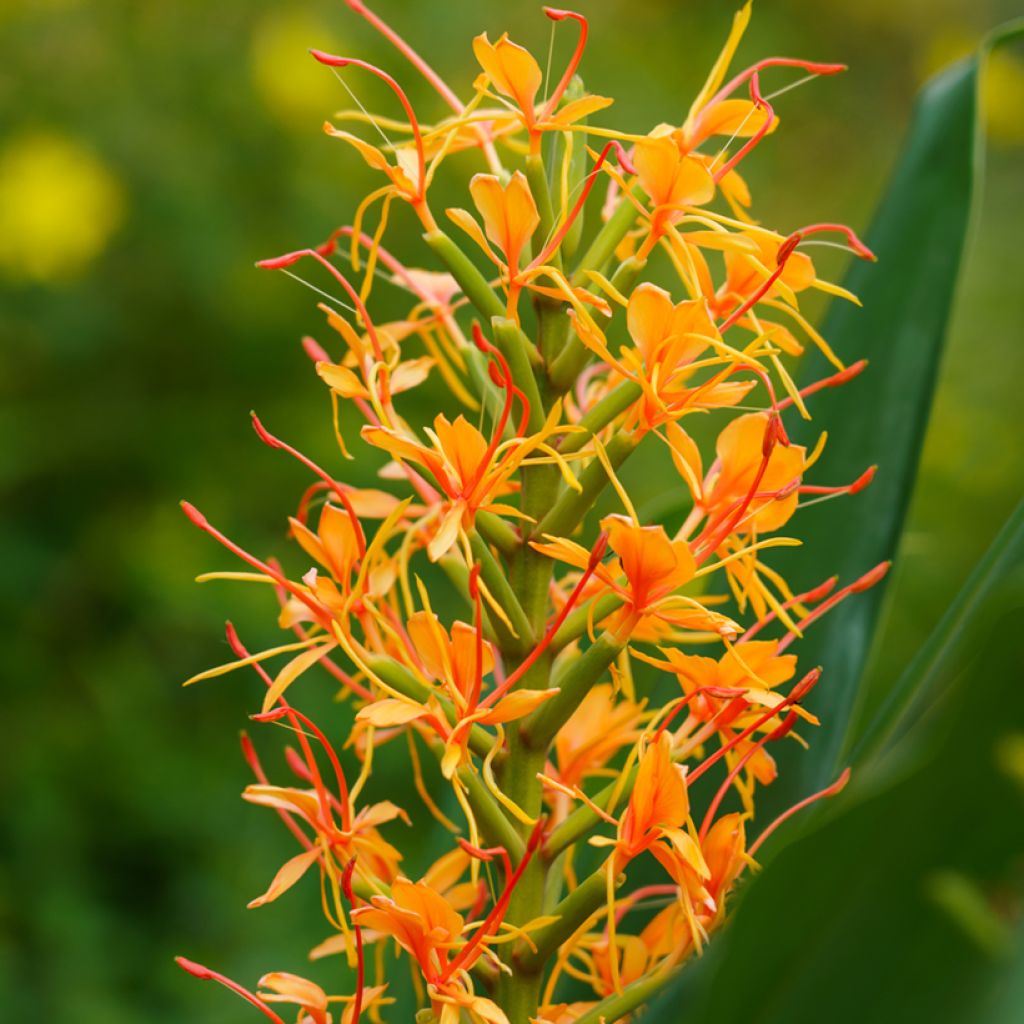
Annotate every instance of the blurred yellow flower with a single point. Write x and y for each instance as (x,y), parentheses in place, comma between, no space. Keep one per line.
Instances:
(292,86)
(59,205)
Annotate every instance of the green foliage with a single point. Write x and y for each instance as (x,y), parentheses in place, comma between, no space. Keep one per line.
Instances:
(899,900)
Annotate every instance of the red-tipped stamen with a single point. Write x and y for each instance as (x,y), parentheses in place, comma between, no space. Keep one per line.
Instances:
(811,67)
(331,61)
(499,908)
(856,487)
(346,888)
(786,249)
(198,519)
(836,379)
(339,774)
(253,761)
(593,562)
(588,184)
(275,442)
(426,71)
(320,254)
(776,734)
(323,796)
(718,692)
(769,116)
(795,695)
(204,973)
(487,853)
(837,787)
(713,536)
(865,582)
(813,596)
(557,14)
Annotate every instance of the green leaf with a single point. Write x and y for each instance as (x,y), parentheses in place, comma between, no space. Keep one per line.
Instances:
(896,904)
(880,417)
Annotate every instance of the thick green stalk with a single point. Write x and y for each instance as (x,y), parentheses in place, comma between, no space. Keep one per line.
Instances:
(493,821)
(497,533)
(573,685)
(514,346)
(614,404)
(585,900)
(572,506)
(620,1005)
(495,580)
(473,284)
(399,678)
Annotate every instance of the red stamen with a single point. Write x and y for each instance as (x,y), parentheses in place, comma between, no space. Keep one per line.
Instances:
(837,787)
(487,854)
(275,442)
(556,241)
(346,887)
(810,67)
(853,370)
(769,116)
(865,582)
(788,723)
(239,650)
(818,593)
(556,14)
(795,695)
(320,254)
(594,561)
(332,61)
(204,973)
(198,519)
(711,538)
(339,774)
(498,911)
(251,758)
(858,485)
(719,692)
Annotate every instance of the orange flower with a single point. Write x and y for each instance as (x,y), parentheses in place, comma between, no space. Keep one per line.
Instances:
(654,569)
(668,337)
(742,470)
(673,179)
(464,464)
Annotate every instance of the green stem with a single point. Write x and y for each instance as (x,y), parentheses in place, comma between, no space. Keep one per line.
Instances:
(615,1007)
(585,900)
(515,347)
(612,405)
(399,678)
(572,506)
(602,248)
(497,583)
(473,284)
(579,621)
(493,821)
(573,685)
(497,533)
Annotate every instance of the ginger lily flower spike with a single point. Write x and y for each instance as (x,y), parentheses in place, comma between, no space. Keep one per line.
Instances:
(587,703)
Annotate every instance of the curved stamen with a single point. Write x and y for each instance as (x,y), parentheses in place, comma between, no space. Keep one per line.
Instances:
(320,254)
(331,61)
(557,14)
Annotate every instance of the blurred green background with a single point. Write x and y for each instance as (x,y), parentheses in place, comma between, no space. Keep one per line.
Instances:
(149,153)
